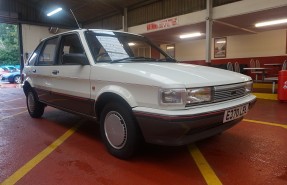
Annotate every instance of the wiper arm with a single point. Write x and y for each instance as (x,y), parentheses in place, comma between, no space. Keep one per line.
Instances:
(134,58)
(167,60)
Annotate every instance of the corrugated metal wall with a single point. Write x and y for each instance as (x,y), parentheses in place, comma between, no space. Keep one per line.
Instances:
(30,14)
(7,9)
(151,12)
(113,22)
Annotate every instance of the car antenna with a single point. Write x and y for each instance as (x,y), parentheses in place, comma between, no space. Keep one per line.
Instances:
(75,19)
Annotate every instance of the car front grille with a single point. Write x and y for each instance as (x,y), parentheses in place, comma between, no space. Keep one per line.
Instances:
(227,92)
(224,93)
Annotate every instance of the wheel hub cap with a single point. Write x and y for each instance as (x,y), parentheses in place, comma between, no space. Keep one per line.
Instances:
(115,129)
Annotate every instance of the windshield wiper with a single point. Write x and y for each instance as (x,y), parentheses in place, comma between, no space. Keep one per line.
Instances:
(166,60)
(134,59)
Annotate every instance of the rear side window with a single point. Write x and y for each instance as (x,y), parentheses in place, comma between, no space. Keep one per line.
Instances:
(47,56)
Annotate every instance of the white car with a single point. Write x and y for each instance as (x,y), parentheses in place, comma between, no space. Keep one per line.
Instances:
(134,89)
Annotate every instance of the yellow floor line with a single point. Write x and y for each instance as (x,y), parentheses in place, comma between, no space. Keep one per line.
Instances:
(266,123)
(21,172)
(263,85)
(205,169)
(266,96)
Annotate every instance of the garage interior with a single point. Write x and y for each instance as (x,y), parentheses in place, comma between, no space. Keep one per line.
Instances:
(62,148)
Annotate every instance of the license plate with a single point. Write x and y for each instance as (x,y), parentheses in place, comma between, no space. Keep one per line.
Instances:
(235,113)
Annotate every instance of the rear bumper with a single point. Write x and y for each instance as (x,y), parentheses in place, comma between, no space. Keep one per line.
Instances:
(184,127)
(5,79)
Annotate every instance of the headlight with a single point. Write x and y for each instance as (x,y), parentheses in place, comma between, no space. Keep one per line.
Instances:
(185,97)
(198,95)
(248,87)
(172,96)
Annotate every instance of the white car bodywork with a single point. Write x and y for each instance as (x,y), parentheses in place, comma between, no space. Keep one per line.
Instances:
(142,85)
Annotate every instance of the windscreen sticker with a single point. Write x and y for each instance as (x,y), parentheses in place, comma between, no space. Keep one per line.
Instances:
(105,32)
(113,47)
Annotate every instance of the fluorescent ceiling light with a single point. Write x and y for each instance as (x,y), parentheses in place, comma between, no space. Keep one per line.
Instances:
(131,44)
(268,23)
(185,36)
(54,11)
(169,47)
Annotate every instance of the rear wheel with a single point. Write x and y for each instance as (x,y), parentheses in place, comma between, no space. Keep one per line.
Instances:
(35,108)
(119,130)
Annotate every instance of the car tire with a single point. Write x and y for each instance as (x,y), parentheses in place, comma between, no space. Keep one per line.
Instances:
(119,130)
(35,108)
(17,79)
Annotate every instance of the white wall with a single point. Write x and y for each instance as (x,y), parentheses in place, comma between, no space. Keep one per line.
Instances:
(192,50)
(32,35)
(271,43)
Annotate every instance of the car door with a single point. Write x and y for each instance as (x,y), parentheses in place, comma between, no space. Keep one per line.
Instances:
(40,66)
(71,77)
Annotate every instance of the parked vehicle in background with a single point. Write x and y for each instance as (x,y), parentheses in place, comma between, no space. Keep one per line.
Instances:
(134,89)
(10,68)
(3,71)
(11,77)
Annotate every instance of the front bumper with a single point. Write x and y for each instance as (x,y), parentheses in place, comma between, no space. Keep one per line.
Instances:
(182,127)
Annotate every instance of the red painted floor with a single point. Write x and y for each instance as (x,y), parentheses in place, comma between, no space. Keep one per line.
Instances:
(249,153)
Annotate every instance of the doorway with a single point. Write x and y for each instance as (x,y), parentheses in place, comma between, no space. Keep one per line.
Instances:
(9,55)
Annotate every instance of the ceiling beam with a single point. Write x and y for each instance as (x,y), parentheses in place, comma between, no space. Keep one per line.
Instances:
(234,26)
(142,3)
(120,9)
(99,18)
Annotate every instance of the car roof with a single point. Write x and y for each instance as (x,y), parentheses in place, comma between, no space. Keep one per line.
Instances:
(7,66)
(95,30)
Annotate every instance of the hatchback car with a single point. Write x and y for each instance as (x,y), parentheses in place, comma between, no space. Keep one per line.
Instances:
(134,89)
(11,77)
(3,70)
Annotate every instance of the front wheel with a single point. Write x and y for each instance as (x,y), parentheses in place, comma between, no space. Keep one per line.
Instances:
(119,130)
(35,108)
(17,79)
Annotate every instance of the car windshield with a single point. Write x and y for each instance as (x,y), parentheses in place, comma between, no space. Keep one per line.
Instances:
(113,47)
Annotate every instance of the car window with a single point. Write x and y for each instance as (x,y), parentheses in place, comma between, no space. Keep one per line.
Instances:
(32,59)
(5,69)
(71,50)
(109,46)
(47,56)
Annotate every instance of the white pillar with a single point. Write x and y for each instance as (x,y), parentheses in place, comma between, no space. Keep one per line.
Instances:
(208,35)
(125,20)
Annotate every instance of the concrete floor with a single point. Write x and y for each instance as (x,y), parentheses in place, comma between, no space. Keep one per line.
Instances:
(53,151)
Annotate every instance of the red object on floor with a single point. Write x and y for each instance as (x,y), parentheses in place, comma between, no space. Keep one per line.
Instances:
(282,85)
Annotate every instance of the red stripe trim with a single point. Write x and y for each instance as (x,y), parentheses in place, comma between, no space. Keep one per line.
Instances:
(167,117)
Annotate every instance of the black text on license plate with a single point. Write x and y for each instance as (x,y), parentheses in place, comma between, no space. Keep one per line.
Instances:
(235,113)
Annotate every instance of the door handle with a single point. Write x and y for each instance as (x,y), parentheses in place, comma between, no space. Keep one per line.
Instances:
(55,72)
(34,70)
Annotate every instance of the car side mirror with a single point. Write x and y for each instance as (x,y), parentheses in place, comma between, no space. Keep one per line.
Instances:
(75,59)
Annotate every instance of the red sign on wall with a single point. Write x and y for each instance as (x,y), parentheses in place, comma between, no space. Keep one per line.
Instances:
(166,23)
